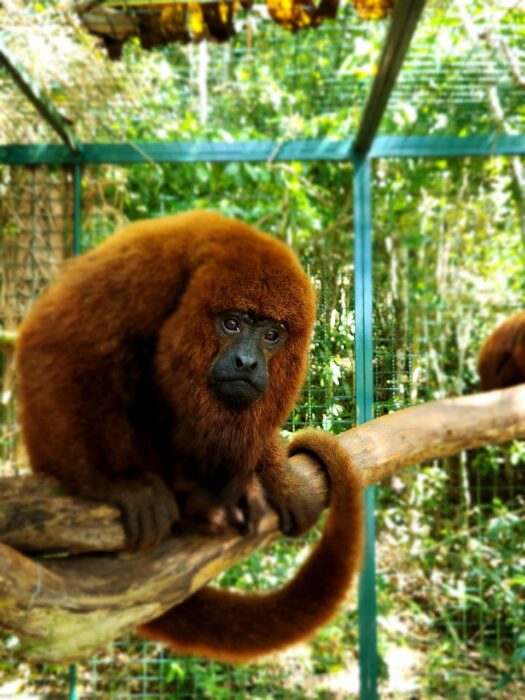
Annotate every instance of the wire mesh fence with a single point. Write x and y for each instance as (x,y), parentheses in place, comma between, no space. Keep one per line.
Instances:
(464,74)
(447,268)
(316,222)
(36,236)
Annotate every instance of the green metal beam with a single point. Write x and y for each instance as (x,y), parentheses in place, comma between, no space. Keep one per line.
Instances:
(447,146)
(264,151)
(364,389)
(405,17)
(77,209)
(39,154)
(127,154)
(73,686)
(34,93)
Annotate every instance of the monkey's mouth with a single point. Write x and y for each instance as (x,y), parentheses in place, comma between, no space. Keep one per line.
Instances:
(238,393)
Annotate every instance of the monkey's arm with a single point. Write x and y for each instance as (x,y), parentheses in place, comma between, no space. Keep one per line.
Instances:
(284,490)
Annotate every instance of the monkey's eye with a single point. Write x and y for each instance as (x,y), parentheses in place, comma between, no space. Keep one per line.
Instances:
(271,335)
(232,325)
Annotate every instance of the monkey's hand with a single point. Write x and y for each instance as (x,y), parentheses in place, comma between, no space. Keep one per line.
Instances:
(298,508)
(253,505)
(148,508)
(297,511)
(206,512)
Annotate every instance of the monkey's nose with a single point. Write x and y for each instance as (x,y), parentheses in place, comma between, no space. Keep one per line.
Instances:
(246,361)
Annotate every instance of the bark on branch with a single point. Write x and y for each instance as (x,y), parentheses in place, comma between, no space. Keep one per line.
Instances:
(65,608)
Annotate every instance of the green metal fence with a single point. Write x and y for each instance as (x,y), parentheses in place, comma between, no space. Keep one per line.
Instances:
(396,356)
(54,206)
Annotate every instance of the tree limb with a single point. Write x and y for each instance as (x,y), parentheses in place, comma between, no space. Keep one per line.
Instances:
(64,608)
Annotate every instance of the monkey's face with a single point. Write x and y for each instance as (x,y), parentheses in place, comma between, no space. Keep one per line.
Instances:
(239,373)
(237,341)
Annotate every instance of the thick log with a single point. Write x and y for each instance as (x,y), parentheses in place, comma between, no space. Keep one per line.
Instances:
(37,516)
(68,607)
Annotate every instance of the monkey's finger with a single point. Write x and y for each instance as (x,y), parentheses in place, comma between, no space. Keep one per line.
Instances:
(255,505)
(252,514)
(236,517)
(287,522)
(150,527)
(165,514)
(131,522)
(170,509)
(159,510)
(216,520)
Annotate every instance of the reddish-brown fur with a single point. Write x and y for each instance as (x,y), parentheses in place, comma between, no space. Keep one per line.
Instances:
(114,361)
(501,362)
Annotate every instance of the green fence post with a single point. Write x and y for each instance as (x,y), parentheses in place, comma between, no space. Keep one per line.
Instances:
(364,400)
(77,208)
(73,682)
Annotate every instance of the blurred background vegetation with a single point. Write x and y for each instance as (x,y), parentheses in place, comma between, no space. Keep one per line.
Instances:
(449,262)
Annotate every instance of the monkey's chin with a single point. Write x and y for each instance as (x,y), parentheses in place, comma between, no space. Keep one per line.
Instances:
(236,394)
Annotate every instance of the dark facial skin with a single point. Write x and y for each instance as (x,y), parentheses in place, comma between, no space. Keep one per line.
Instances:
(239,374)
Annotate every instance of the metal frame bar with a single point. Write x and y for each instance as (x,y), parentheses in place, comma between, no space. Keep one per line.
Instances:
(448,146)
(405,18)
(264,151)
(77,209)
(313,150)
(363,288)
(178,152)
(35,94)
(403,25)
(364,389)
(72,678)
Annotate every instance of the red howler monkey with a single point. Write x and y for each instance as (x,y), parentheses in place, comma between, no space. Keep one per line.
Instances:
(155,374)
(501,362)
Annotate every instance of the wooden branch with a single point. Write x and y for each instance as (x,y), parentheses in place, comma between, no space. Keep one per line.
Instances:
(68,607)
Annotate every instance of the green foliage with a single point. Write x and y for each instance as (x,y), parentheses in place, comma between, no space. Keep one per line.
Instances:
(448,266)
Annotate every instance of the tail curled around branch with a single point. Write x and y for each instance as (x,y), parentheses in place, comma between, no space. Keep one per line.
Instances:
(230,626)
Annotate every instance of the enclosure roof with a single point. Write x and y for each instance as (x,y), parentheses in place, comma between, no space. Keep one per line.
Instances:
(464,74)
